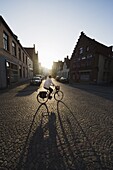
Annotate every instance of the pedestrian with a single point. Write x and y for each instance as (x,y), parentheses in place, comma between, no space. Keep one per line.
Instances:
(47,85)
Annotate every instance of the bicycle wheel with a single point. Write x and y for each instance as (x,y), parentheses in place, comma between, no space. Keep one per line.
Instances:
(58,95)
(42,99)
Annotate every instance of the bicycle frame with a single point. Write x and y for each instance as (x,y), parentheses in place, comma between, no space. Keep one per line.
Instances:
(56,89)
(57,93)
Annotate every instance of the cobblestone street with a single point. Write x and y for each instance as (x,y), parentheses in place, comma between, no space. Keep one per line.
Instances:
(73,134)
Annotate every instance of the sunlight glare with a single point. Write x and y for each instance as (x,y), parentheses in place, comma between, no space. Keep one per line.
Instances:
(47,64)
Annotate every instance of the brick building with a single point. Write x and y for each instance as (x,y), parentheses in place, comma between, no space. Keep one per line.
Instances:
(14,64)
(91,62)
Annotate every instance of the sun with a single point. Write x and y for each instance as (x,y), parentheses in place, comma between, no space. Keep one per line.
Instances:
(47,64)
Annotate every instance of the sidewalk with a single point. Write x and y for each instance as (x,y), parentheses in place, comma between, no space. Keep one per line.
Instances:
(13,86)
(98,88)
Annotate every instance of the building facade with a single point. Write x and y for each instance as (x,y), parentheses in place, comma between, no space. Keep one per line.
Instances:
(91,62)
(56,68)
(34,57)
(64,70)
(13,58)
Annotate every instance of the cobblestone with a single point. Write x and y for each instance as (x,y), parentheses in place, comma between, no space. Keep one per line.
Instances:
(77,134)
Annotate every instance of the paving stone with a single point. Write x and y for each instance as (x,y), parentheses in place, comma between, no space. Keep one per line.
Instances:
(76,134)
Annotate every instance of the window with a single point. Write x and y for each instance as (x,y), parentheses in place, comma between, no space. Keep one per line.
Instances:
(109,64)
(78,59)
(7,64)
(13,73)
(24,72)
(23,57)
(85,76)
(88,62)
(13,48)
(73,65)
(14,67)
(26,60)
(81,50)
(89,56)
(19,53)
(105,63)
(87,48)
(20,71)
(83,57)
(5,41)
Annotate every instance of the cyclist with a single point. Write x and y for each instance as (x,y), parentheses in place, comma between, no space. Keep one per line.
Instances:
(47,85)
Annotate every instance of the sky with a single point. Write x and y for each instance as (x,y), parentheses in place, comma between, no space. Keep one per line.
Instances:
(54,26)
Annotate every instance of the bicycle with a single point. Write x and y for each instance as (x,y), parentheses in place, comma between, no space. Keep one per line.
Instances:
(43,96)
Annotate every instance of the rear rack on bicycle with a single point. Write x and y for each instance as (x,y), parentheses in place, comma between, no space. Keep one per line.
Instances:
(43,94)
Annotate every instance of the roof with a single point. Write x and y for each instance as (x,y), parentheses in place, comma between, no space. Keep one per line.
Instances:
(96,43)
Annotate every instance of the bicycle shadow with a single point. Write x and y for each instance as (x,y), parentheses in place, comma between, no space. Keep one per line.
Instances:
(35,121)
(81,153)
(58,143)
(40,150)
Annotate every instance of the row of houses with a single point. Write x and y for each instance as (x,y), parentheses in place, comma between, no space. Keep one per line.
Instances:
(90,62)
(61,68)
(17,63)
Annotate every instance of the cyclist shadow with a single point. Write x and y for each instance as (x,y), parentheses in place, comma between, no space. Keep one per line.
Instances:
(79,153)
(58,142)
(32,128)
(41,150)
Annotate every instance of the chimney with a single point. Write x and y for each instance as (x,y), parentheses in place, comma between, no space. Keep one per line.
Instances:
(34,46)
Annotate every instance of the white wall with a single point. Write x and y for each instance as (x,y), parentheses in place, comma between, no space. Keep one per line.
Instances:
(30,68)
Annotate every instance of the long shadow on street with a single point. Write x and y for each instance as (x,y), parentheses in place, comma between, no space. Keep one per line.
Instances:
(76,147)
(27,90)
(40,150)
(55,142)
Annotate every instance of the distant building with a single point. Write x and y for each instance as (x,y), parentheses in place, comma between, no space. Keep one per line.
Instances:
(56,67)
(30,67)
(34,57)
(91,62)
(64,70)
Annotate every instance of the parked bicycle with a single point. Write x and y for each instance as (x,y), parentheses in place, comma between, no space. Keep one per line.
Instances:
(43,96)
